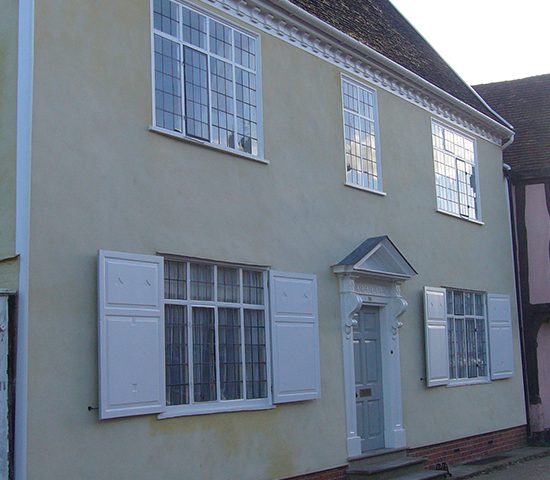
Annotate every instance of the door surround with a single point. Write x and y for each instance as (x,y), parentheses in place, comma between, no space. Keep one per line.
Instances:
(358,289)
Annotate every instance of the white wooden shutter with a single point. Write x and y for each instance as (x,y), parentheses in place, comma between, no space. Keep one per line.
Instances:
(4,446)
(500,336)
(131,334)
(437,346)
(295,337)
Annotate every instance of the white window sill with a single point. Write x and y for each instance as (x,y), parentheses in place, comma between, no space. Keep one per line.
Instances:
(471,220)
(208,408)
(365,189)
(466,382)
(181,137)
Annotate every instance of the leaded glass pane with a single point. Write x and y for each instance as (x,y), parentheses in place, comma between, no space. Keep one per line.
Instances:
(255,354)
(166,17)
(481,347)
(468,303)
(461,364)
(454,165)
(467,337)
(253,287)
(245,51)
(458,303)
(220,40)
(168,112)
(471,350)
(360,136)
(450,303)
(479,305)
(194,28)
(229,337)
(452,349)
(204,355)
(202,281)
(196,93)
(175,280)
(247,126)
(223,119)
(228,284)
(176,355)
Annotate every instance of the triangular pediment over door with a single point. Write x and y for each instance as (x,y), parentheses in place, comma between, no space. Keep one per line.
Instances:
(379,257)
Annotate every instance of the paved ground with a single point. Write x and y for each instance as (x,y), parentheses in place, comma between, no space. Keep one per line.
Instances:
(536,469)
(527,463)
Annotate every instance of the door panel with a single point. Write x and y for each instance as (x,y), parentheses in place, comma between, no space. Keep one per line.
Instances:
(368,379)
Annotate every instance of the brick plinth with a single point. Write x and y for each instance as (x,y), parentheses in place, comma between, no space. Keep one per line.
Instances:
(469,448)
(331,474)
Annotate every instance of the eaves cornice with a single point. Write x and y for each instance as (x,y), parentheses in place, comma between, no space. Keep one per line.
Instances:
(285,20)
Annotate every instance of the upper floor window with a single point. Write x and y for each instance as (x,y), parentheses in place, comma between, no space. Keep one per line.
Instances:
(360,136)
(206,78)
(455,172)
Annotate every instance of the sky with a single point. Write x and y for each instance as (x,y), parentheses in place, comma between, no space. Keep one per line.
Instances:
(485,41)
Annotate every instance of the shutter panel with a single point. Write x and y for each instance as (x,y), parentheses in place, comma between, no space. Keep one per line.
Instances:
(131,334)
(295,337)
(437,343)
(500,336)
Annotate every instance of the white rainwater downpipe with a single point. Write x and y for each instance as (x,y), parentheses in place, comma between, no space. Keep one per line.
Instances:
(25,60)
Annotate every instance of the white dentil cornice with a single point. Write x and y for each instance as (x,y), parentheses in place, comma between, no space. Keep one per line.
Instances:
(328,43)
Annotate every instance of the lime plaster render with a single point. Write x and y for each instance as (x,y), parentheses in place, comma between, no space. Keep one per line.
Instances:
(8,89)
(100,179)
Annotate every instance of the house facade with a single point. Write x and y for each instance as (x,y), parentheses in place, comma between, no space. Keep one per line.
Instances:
(247,240)
(525,103)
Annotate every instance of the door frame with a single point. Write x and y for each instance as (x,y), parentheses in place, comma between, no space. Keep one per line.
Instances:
(358,290)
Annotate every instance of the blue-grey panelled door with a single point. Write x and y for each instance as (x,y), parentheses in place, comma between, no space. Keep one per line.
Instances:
(368,379)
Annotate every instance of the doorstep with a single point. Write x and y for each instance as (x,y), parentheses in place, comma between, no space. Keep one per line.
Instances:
(498,461)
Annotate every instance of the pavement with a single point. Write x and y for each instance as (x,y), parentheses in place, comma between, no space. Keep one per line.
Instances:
(527,463)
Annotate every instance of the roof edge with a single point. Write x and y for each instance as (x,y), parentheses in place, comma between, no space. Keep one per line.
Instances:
(307,17)
(470,87)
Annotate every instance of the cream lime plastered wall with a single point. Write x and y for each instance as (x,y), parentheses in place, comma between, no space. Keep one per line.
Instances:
(9,267)
(198,202)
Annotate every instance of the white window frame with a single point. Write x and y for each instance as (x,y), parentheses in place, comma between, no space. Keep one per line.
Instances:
(375,120)
(455,131)
(258,72)
(479,379)
(197,408)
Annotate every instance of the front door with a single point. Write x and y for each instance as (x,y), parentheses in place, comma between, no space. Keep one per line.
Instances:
(368,379)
